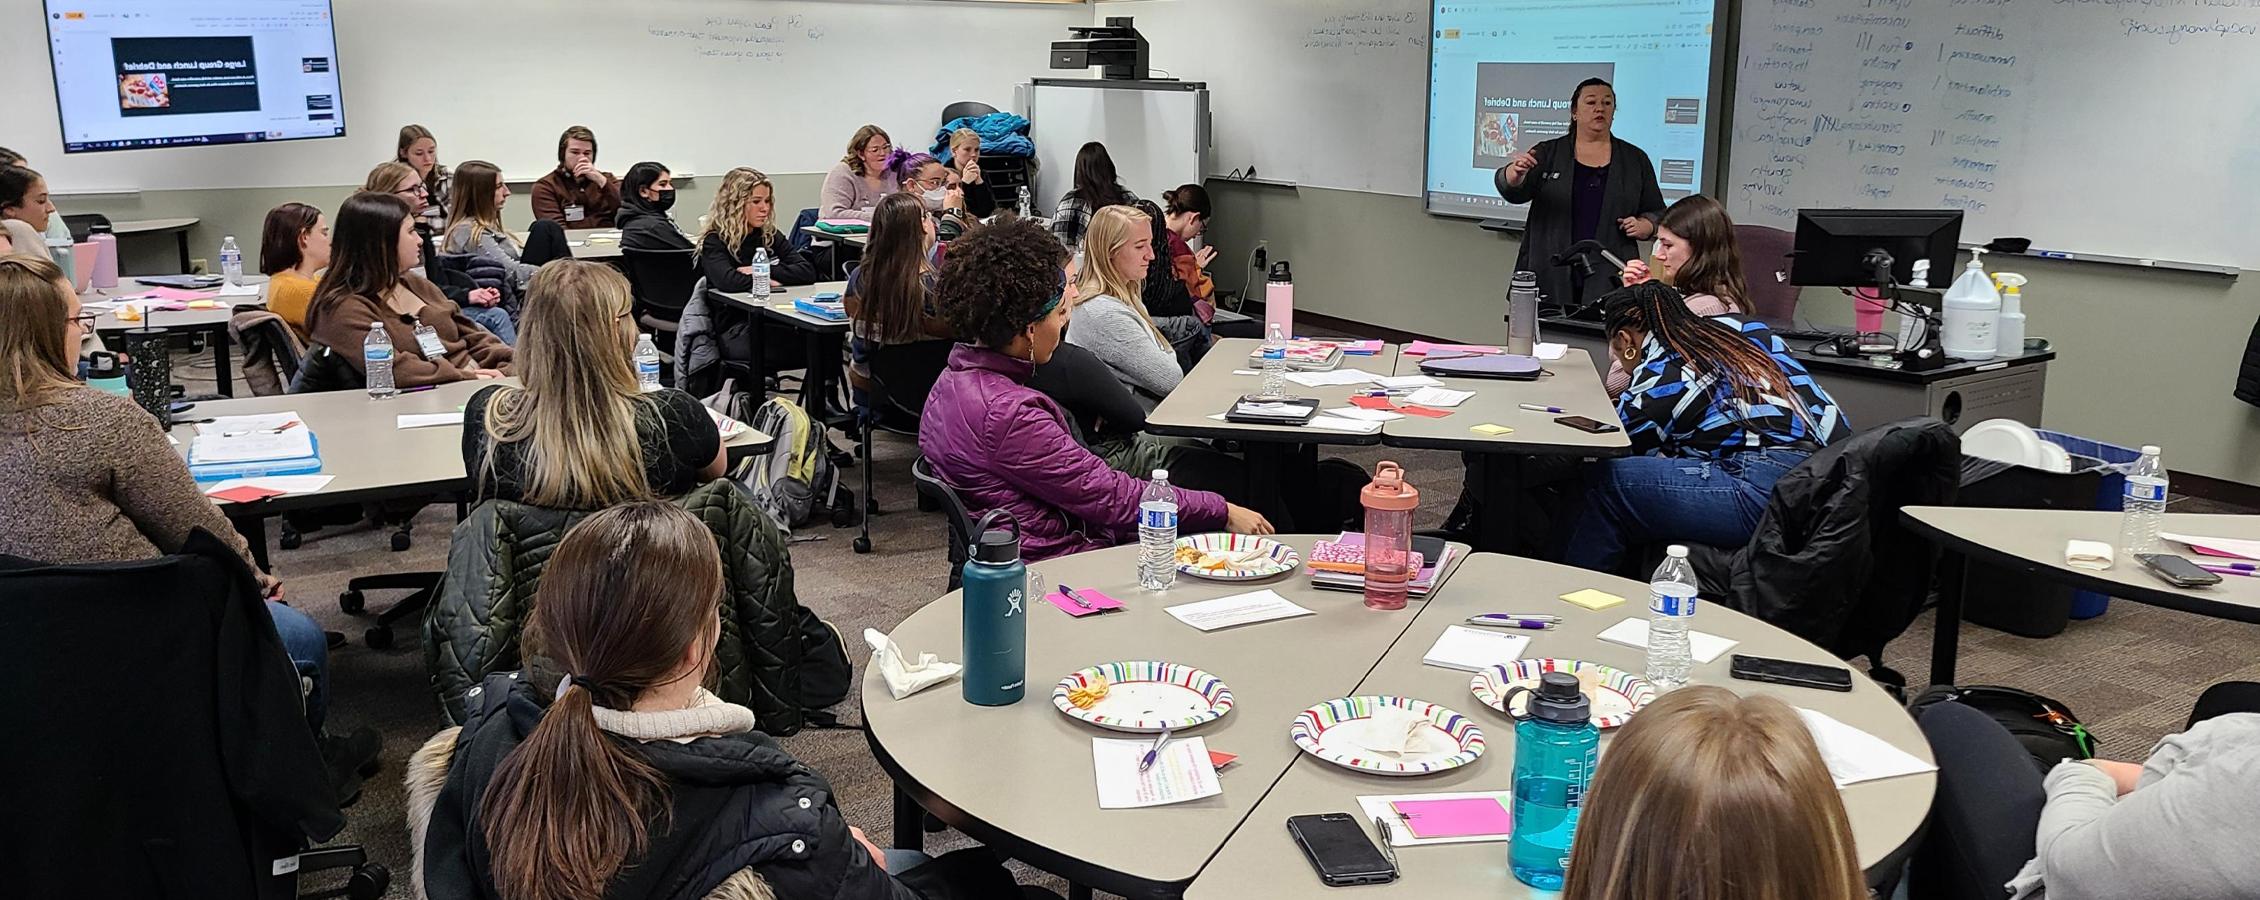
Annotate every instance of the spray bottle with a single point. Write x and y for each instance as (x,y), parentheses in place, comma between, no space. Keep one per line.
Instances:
(2012,328)
(1973,310)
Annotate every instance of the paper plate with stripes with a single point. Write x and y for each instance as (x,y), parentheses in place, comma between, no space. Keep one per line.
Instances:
(1340,732)
(1614,693)
(1234,557)
(1145,696)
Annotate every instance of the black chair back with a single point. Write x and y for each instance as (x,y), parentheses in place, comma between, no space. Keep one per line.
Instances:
(82,224)
(960,521)
(965,109)
(661,279)
(800,237)
(904,375)
(324,369)
(270,339)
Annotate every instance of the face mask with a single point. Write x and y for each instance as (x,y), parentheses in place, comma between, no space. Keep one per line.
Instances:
(933,198)
(665,202)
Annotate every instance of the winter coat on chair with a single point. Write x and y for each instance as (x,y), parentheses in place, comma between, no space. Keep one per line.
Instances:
(2248,374)
(776,657)
(1830,561)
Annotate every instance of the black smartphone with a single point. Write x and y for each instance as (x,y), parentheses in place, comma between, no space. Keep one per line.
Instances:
(1338,848)
(2176,571)
(1782,671)
(1586,425)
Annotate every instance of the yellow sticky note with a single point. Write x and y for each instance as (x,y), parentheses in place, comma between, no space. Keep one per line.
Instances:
(1592,599)
(1493,430)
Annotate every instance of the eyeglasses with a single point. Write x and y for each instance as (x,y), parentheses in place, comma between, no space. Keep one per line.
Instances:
(931,183)
(417,191)
(85,319)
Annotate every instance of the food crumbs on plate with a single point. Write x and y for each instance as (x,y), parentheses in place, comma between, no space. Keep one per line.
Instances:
(1491,429)
(1207,560)
(1089,694)
(1592,599)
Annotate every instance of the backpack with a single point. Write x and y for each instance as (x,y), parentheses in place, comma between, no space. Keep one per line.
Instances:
(795,478)
(2046,728)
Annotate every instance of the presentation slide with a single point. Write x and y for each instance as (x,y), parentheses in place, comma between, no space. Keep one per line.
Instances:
(1501,73)
(134,74)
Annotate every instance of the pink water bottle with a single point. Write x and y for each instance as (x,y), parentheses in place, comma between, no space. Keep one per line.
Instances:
(1867,310)
(1389,503)
(105,256)
(1279,301)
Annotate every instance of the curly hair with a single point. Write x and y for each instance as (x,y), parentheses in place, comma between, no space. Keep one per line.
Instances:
(997,280)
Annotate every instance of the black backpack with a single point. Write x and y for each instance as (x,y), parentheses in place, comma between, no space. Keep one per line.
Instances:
(2047,728)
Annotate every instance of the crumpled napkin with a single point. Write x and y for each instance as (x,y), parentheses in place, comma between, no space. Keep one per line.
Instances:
(905,679)
(2087,555)
(1392,730)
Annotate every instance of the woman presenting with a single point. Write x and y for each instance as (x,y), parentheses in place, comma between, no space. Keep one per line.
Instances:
(1583,185)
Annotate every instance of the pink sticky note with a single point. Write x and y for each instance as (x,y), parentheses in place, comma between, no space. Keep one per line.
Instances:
(1423,411)
(245,494)
(1463,817)
(1423,348)
(1372,403)
(1099,602)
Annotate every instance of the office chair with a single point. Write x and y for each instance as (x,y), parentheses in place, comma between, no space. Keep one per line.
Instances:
(901,375)
(958,519)
(661,281)
(1765,273)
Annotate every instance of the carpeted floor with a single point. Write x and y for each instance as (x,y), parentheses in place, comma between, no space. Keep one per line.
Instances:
(2131,674)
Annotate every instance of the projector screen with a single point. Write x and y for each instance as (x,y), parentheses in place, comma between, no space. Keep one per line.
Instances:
(1500,75)
(131,74)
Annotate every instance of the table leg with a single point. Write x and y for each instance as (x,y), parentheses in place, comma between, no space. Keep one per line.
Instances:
(1078,891)
(1271,466)
(223,364)
(1946,643)
(254,531)
(812,378)
(910,823)
(181,237)
(760,387)
(1501,503)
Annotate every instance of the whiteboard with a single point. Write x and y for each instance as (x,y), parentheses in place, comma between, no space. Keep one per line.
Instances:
(1324,93)
(701,85)
(2119,127)
(1158,138)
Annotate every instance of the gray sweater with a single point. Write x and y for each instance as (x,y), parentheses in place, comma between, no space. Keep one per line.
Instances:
(1108,327)
(2186,832)
(492,246)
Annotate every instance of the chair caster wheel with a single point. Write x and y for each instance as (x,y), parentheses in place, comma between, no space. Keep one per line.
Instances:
(378,638)
(352,603)
(290,540)
(843,516)
(862,544)
(400,541)
(369,882)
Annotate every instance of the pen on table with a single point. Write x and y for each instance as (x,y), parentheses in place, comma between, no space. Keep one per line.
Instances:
(2225,570)
(2239,566)
(1147,762)
(417,389)
(1498,621)
(1533,407)
(1388,841)
(1072,595)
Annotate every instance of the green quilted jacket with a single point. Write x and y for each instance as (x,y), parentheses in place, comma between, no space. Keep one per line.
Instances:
(494,565)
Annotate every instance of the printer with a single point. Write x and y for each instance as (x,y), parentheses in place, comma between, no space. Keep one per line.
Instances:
(1115,47)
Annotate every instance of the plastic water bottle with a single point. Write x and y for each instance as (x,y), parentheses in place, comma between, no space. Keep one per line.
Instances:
(231,260)
(1157,534)
(2145,505)
(1671,607)
(1274,364)
(376,360)
(1023,205)
(760,267)
(647,364)
(1556,747)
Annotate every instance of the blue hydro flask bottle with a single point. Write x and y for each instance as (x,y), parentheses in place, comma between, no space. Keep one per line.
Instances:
(1556,746)
(996,616)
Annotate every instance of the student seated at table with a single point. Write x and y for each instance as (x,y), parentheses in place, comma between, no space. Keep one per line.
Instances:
(925,177)
(577,433)
(1706,794)
(1717,412)
(294,247)
(25,211)
(647,194)
(1111,319)
(91,478)
(420,151)
(494,257)
(372,250)
(1003,445)
(853,187)
(611,772)
(1096,187)
(2176,826)
(890,297)
(577,194)
(1182,319)
(965,172)
(741,220)
(1695,254)
(1186,214)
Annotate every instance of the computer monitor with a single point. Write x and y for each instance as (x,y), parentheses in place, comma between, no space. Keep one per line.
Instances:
(1843,247)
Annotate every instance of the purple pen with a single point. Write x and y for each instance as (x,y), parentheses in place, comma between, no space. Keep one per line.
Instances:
(1533,407)
(1497,621)
(2230,570)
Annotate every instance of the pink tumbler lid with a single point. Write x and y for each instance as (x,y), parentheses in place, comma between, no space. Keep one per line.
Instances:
(1389,490)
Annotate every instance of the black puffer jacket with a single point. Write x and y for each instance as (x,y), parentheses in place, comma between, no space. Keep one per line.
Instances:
(494,566)
(644,227)
(1830,561)
(2248,375)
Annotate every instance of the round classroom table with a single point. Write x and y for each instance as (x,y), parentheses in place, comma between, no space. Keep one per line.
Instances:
(1019,778)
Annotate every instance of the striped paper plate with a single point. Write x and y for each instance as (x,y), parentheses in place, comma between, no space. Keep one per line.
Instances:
(1334,731)
(1616,694)
(1147,696)
(1234,557)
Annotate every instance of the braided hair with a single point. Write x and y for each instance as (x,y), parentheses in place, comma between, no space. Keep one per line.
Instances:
(1743,370)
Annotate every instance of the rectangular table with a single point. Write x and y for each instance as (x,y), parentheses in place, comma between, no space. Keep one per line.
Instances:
(588,243)
(213,323)
(819,335)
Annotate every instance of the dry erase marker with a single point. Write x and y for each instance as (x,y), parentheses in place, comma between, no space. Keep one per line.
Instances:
(1533,407)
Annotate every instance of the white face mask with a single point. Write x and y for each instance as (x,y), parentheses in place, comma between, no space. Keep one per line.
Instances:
(933,198)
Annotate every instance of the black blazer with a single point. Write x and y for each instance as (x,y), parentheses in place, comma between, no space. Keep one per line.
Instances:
(1631,190)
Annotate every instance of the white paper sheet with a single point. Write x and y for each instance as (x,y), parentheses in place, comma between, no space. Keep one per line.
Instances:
(256,446)
(1337,423)
(1182,772)
(1245,372)
(1634,633)
(1336,377)
(1408,382)
(1238,609)
(228,425)
(428,420)
(1475,649)
(1854,756)
(1359,412)
(2243,548)
(239,290)
(1438,397)
(288,484)
(1550,351)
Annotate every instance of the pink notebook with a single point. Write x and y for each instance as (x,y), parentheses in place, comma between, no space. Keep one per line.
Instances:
(1463,817)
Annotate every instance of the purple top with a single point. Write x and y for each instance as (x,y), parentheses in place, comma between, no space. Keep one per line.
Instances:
(1590,183)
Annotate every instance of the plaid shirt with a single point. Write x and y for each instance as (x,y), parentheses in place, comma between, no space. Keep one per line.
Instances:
(1675,410)
(1074,217)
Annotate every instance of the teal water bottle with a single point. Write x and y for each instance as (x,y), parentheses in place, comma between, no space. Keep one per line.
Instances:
(996,615)
(1556,746)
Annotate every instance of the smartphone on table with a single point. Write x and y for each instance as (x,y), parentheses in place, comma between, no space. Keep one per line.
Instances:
(1587,425)
(1340,851)
(2176,571)
(1795,674)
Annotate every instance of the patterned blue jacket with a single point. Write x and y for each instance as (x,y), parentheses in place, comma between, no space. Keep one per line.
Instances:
(1673,409)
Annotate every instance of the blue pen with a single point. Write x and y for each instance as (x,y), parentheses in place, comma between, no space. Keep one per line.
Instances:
(1155,753)
(1495,620)
(2239,566)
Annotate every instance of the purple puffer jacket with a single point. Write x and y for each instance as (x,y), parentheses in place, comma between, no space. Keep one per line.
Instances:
(1002,445)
